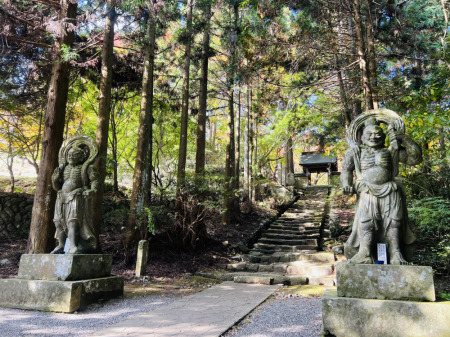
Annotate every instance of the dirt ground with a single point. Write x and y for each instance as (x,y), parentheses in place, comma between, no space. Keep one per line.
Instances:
(168,271)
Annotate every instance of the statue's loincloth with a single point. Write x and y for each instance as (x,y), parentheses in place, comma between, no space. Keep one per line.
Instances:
(381,205)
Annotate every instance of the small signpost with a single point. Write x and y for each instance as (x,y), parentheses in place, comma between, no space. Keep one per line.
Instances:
(382,255)
(142,256)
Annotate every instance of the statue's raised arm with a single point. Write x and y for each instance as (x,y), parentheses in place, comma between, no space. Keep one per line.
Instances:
(380,215)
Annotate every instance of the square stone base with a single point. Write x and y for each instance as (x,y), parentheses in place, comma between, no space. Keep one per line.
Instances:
(64,267)
(390,282)
(61,296)
(354,317)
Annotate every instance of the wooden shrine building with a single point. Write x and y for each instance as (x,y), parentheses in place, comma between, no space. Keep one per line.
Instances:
(317,162)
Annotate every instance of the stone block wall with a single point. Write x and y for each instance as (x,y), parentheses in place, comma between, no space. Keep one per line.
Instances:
(15,215)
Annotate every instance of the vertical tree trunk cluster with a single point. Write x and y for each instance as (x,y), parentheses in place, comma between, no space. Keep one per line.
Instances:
(41,227)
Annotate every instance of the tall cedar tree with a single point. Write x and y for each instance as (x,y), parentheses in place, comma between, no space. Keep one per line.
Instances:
(231,212)
(41,227)
(141,194)
(182,152)
(203,96)
(104,111)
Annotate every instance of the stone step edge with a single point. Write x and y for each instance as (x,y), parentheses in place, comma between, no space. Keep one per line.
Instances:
(305,269)
(260,278)
(271,278)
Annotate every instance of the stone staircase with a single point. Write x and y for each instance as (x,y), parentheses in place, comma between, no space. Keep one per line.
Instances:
(289,250)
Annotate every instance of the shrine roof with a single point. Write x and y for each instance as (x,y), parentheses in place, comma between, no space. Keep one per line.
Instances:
(316,158)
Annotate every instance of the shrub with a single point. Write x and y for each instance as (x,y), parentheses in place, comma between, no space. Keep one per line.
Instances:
(429,218)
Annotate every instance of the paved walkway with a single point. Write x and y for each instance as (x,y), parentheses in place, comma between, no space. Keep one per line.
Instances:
(206,314)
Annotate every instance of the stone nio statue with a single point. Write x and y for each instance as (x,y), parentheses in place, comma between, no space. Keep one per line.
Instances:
(381,215)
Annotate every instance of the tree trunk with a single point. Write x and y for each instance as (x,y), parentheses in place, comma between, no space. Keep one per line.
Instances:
(347,113)
(182,152)
(251,144)
(247,147)
(141,193)
(442,148)
(231,201)
(41,227)
(371,56)
(287,161)
(255,166)
(114,143)
(10,163)
(238,142)
(229,164)
(360,48)
(213,134)
(290,155)
(201,126)
(104,112)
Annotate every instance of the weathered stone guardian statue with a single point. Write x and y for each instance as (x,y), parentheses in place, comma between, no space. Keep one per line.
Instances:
(380,215)
(76,180)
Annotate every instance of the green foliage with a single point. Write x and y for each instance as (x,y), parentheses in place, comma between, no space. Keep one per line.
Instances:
(431,217)
(145,219)
(68,54)
(430,222)
(445,296)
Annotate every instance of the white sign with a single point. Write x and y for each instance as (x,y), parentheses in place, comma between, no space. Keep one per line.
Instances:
(382,256)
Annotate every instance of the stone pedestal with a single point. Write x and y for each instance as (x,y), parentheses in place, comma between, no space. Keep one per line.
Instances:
(64,283)
(384,300)
(378,281)
(355,317)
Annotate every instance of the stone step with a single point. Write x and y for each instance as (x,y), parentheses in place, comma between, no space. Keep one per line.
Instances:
(316,269)
(290,236)
(263,247)
(328,281)
(281,231)
(301,268)
(315,257)
(290,241)
(301,217)
(273,275)
(296,227)
(307,205)
(312,255)
(262,278)
(299,212)
(298,221)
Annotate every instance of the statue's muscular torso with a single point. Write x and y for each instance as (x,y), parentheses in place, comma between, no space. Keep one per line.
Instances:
(72,178)
(376,165)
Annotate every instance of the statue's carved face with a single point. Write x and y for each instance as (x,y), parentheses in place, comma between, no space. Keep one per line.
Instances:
(373,136)
(75,156)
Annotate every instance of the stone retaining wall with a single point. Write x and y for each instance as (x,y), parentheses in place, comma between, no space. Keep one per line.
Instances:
(15,215)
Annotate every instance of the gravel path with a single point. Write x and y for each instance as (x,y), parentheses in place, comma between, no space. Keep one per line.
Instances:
(16,322)
(282,316)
